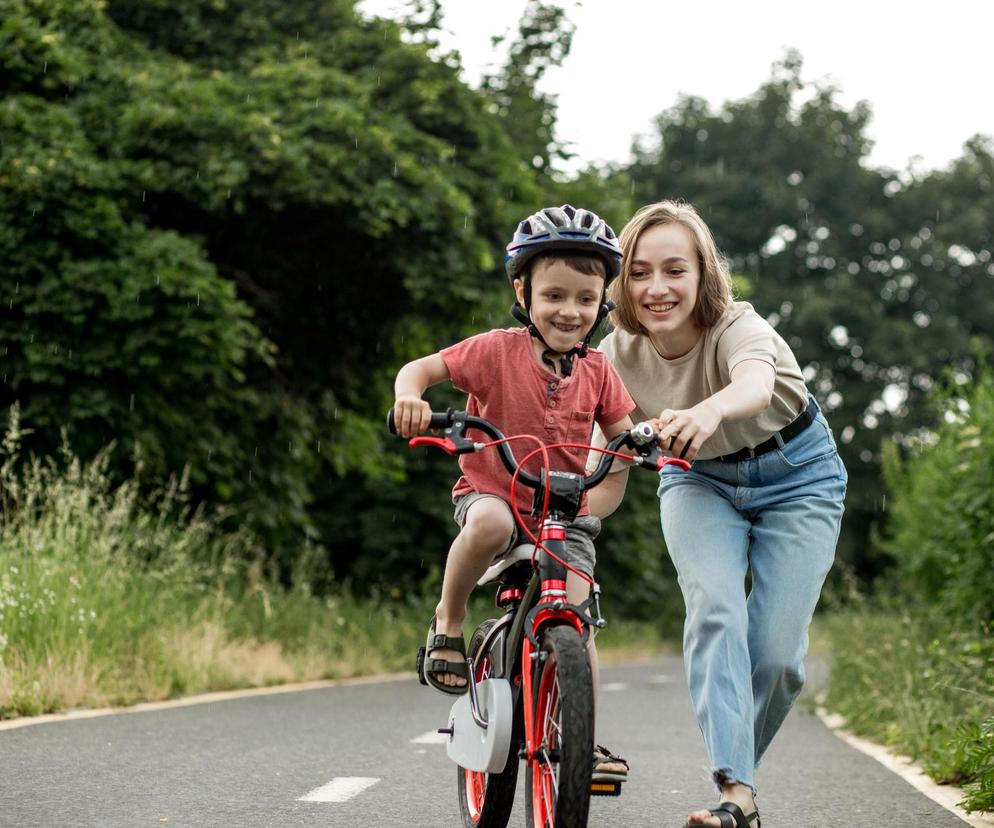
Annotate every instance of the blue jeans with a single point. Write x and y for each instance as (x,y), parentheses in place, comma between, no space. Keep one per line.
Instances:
(779,515)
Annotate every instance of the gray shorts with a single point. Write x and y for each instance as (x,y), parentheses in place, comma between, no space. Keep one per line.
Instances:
(580,534)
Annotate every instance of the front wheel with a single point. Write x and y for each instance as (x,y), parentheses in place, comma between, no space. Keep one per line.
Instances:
(557,783)
(486,799)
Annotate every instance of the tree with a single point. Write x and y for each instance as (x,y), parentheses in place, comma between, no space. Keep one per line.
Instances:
(226,226)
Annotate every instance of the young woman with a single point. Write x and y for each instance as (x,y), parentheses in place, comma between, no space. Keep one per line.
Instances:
(765,492)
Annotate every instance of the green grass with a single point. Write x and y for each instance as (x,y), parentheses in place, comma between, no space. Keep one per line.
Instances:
(916,684)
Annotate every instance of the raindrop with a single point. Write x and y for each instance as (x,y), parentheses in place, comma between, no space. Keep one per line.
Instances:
(357,142)
(250,475)
(143,196)
(336,413)
(44,68)
(377,347)
(229,192)
(377,80)
(157,278)
(198,175)
(319,446)
(198,298)
(395,168)
(465,222)
(131,405)
(256,451)
(70,354)
(289,446)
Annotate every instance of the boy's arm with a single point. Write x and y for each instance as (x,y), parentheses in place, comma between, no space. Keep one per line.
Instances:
(607,497)
(412,414)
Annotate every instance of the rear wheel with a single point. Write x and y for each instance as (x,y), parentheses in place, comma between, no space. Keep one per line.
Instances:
(557,782)
(486,799)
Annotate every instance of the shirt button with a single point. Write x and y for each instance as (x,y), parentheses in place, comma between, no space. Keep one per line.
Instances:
(552,404)
(551,420)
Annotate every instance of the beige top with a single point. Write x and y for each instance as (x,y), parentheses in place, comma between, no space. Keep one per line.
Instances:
(656,383)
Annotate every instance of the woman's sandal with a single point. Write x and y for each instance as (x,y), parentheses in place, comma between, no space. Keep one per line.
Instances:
(730,815)
(430,668)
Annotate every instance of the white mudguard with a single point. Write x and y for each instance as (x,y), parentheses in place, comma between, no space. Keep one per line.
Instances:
(476,748)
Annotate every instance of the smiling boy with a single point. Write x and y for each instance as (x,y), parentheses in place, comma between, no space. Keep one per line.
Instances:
(542,380)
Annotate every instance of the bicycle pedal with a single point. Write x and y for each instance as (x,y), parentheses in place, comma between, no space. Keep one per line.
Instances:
(606,788)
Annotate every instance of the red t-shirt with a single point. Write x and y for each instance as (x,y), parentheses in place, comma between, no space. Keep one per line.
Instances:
(507,385)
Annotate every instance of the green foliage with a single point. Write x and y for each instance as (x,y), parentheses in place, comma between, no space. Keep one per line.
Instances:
(223,226)
(977,741)
(940,522)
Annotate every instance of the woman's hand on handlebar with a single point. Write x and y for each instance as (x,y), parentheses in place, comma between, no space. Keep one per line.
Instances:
(411,415)
(683,432)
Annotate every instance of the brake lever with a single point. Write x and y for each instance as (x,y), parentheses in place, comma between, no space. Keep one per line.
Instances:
(454,442)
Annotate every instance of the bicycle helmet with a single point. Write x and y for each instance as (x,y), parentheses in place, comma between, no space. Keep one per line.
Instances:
(563,228)
(568,229)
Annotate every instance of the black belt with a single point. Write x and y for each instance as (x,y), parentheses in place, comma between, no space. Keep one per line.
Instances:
(787,433)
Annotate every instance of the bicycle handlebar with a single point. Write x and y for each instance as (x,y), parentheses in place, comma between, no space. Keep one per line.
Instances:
(641,438)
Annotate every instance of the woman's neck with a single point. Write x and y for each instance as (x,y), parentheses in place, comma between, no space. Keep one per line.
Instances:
(676,345)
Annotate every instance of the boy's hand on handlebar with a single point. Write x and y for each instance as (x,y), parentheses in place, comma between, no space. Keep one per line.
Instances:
(411,415)
(683,432)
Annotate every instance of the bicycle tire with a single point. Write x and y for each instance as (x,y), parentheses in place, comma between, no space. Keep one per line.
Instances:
(557,787)
(486,799)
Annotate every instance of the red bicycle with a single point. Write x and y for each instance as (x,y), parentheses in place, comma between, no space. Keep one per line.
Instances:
(531,691)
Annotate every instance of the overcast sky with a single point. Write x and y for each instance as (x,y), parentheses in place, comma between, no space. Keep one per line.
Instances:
(926,68)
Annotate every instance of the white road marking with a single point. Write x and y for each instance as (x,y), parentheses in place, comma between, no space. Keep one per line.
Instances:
(340,789)
(948,796)
(613,687)
(660,679)
(432,737)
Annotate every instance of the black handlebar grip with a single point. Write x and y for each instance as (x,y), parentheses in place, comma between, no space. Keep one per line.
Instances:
(443,420)
(438,420)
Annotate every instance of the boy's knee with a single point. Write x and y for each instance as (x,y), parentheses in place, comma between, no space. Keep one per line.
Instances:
(489,524)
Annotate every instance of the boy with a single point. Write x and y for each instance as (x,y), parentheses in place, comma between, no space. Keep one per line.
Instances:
(541,380)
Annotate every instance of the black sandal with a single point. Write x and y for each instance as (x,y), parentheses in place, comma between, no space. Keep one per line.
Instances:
(430,668)
(730,815)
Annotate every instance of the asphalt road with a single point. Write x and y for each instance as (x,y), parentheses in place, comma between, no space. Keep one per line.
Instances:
(253,762)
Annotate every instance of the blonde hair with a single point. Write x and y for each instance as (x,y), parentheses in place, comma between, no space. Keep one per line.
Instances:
(715,289)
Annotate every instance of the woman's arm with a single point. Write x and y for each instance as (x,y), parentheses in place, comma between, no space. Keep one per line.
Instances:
(749,392)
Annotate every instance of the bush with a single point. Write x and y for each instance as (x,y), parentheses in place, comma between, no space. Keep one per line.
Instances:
(940,528)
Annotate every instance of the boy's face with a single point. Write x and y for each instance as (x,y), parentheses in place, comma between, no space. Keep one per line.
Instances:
(564,302)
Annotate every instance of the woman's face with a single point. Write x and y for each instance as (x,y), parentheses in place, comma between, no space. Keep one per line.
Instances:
(663,284)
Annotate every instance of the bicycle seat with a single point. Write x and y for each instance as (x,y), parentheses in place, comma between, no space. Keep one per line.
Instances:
(519,553)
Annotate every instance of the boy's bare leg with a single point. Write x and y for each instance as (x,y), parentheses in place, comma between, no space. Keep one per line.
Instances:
(486,533)
(577,591)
